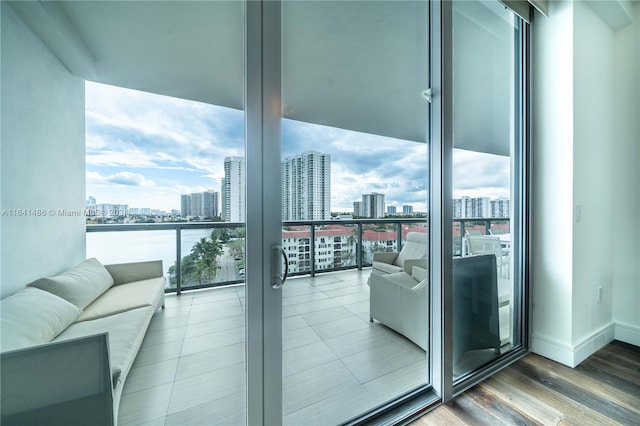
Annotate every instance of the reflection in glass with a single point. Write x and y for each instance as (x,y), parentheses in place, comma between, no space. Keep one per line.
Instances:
(484,137)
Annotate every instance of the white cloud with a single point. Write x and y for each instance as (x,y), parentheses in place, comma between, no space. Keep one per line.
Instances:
(162,147)
(121,178)
(129,179)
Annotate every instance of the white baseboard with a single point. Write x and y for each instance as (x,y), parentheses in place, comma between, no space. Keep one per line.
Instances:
(593,343)
(572,355)
(552,349)
(628,333)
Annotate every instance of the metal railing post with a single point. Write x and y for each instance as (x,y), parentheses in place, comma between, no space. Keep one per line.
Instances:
(312,250)
(487,227)
(359,248)
(178,261)
(398,236)
(462,233)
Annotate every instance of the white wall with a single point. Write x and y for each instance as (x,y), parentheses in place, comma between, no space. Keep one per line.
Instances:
(585,183)
(625,246)
(593,125)
(552,181)
(42,161)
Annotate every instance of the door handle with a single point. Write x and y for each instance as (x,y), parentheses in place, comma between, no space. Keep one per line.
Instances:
(278,278)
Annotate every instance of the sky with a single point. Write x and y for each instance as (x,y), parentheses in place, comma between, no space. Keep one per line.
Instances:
(145,150)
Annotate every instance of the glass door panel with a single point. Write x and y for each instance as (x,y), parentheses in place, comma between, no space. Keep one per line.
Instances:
(172,117)
(354,142)
(486,141)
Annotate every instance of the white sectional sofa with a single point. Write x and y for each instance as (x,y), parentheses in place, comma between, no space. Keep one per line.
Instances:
(54,320)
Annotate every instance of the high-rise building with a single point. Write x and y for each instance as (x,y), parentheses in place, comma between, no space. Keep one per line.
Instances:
(391,210)
(209,204)
(199,204)
(306,187)
(500,207)
(185,203)
(407,210)
(233,190)
(357,208)
(195,204)
(479,207)
(373,205)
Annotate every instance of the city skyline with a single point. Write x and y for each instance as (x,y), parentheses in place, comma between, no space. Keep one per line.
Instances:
(146,150)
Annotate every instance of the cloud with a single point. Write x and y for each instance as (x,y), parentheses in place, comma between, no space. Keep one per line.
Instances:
(152,143)
(130,179)
(136,129)
(481,175)
(121,178)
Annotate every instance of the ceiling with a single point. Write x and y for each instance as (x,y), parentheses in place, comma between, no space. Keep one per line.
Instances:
(355,65)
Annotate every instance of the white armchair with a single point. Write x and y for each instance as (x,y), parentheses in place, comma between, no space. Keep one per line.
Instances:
(413,253)
(400,301)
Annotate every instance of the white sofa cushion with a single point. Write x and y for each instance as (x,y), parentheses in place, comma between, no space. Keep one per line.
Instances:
(124,297)
(79,285)
(126,331)
(33,317)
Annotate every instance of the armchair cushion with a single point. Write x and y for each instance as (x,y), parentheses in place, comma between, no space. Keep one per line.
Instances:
(386,268)
(415,247)
(385,256)
(418,273)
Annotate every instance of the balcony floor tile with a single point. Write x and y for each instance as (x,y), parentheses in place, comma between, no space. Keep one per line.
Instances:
(336,363)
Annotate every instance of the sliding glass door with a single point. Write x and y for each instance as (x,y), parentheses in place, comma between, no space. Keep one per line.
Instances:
(487,187)
(341,118)
(354,133)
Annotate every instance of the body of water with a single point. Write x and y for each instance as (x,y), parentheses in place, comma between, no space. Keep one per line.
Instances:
(139,246)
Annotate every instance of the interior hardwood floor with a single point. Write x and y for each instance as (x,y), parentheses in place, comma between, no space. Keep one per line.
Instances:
(603,390)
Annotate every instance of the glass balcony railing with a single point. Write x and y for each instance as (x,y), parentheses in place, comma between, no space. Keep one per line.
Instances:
(210,254)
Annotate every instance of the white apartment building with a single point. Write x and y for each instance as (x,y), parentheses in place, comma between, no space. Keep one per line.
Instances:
(195,204)
(392,210)
(233,190)
(306,187)
(107,210)
(336,246)
(373,205)
(480,207)
(407,210)
(209,204)
(500,207)
(199,204)
(357,208)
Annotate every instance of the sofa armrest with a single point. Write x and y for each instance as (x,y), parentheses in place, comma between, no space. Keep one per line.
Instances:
(123,273)
(410,263)
(67,382)
(385,257)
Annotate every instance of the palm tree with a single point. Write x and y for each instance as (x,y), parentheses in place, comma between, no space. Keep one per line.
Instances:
(205,254)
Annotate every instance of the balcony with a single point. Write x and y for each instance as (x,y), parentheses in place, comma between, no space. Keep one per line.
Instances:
(337,245)
(191,366)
